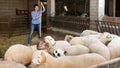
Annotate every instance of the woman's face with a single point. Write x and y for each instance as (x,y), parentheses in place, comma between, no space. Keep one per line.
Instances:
(36,8)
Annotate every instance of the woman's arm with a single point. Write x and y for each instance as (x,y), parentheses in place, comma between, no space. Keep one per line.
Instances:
(43,7)
(34,16)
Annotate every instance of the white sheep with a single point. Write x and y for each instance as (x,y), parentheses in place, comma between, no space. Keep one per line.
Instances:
(51,39)
(96,46)
(61,44)
(57,44)
(36,57)
(20,53)
(107,37)
(9,64)
(71,50)
(114,47)
(80,61)
(93,44)
(50,42)
(103,37)
(89,32)
(59,52)
(36,66)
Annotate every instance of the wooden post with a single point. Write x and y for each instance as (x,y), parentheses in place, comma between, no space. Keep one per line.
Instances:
(114,8)
(40,17)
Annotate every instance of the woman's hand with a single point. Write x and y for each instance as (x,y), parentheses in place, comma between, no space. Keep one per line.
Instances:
(42,4)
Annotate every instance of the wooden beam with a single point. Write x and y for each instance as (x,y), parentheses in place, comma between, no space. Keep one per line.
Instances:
(114,8)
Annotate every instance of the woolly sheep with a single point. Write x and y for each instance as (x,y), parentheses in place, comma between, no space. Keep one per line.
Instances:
(58,52)
(35,57)
(61,44)
(9,64)
(103,37)
(107,64)
(51,39)
(57,44)
(36,66)
(71,50)
(96,46)
(65,46)
(107,37)
(114,47)
(80,61)
(20,53)
(93,44)
(89,32)
(50,42)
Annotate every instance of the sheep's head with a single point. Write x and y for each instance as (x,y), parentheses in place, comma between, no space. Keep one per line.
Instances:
(106,37)
(68,38)
(46,43)
(59,53)
(50,40)
(39,57)
(42,45)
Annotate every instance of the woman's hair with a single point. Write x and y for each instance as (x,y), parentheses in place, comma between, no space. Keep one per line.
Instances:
(35,5)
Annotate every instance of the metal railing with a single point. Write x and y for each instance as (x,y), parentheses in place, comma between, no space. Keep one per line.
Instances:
(71,23)
(106,26)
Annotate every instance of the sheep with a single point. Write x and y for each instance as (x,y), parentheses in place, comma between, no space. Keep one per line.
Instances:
(36,66)
(51,39)
(107,64)
(65,46)
(9,64)
(35,57)
(61,44)
(114,47)
(71,51)
(93,44)
(80,61)
(105,38)
(57,43)
(49,43)
(89,32)
(59,52)
(43,46)
(20,53)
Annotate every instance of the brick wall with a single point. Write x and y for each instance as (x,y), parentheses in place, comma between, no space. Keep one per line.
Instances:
(93,9)
(97,9)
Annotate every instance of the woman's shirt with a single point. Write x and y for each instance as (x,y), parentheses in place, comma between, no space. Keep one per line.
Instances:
(36,16)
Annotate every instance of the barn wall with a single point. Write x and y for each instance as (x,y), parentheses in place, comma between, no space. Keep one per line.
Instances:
(8,7)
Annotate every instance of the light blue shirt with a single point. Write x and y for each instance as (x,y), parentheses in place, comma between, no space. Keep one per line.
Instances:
(35,18)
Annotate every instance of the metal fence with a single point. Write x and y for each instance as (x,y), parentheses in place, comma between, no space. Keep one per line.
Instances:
(71,23)
(106,26)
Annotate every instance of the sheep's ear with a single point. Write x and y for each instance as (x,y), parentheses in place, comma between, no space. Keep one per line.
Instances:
(48,45)
(37,47)
(107,35)
(68,37)
(43,57)
(65,52)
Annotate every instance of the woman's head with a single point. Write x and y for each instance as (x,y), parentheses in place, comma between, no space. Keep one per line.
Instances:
(36,7)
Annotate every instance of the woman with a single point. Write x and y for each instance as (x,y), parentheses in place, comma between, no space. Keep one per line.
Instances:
(36,14)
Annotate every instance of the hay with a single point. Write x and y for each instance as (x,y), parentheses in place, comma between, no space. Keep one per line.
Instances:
(5,42)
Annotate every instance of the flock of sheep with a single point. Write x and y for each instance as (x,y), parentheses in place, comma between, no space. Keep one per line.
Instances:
(84,51)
